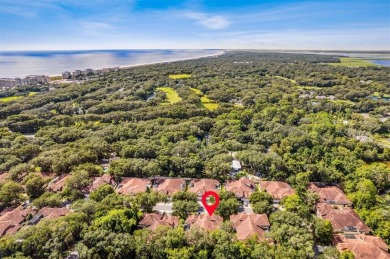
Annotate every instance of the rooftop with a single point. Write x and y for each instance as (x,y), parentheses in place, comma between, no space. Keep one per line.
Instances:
(200,186)
(133,186)
(330,194)
(170,186)
(278,190)
(154,220)
(101,180)
(10,222)
(58,183)
(248,225)
(242,188)
(205,221)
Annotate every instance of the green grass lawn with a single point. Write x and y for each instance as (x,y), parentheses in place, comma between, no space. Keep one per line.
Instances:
(352,62)
(343,102)
(179,76)
(197,91)
(172,95)
(10,98)
(208,104)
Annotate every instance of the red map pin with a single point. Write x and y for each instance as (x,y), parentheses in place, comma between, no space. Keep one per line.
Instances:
(210,208)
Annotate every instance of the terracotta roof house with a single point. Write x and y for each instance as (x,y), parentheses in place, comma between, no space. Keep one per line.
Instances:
(242,188)
(362,246)
(278,190)
(101,180)
(10,222)
(154,220)
(133,186)
(205,221)
(200,186)
(170,186)
(343,219)
(58,183)
(49,213)
(330,194)
(3,177)
(249,225)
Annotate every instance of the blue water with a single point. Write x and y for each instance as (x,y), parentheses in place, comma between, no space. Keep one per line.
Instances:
(385,62)
(23,63)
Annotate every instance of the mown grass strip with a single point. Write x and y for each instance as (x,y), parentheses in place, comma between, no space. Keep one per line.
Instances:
(179,76)
(352,62)
(172,95)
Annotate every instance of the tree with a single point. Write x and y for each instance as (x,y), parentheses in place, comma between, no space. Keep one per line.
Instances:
(330,253)
(101,192)
(365,195)
(120,221)
(75,184)
(228,205)
(48,199)
(294,203)
(147,200)
(261,202)
(184,208)
(323,231)
(10,193)
(347,255)
(35,185)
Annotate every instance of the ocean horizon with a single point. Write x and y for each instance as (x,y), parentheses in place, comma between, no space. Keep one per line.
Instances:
(23,63)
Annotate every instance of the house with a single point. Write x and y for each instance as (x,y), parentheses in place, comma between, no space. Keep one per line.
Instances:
(278,190)
(343,219)
(154,220)
(101,180)
(132,186)
(169,186)
(242,188)
(48,213)
(330,194)
(58,183)
(200,186)
(362,246)
(204,221)
(249,225)
(10,221)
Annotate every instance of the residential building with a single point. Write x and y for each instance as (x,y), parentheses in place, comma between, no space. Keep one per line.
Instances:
(154,220)
(362,246)
(133,186)
(66,75)
(343,219)
(49,213)
(204,221)
(101,180)
(169,186)
(8,82)
(242,188)
(278,190)
(249,225)
(330,194)
(58,183)
(236,165)
(11,221)
(200,186)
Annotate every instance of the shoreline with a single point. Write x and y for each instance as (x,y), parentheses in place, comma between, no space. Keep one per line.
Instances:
(158,62)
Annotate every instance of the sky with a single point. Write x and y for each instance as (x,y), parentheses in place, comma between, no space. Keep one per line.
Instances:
(194,24)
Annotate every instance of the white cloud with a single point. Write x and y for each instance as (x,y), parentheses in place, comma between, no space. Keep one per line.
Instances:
(90,25)
(208,21)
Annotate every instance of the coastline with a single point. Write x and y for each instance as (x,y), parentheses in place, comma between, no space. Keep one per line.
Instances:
(161,62)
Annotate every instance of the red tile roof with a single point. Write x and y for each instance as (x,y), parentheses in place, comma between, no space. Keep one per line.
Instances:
(205,221)
(52,213)
(58,183)
(341,218)
(101,180)
(248,225)
(154,220)
(133,185)
(11,220)
(362,246)
(242,188)
(278,190)
(200,186)
(171,186)
(330,194)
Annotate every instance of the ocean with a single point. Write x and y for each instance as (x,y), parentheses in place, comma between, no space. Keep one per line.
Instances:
(23,63)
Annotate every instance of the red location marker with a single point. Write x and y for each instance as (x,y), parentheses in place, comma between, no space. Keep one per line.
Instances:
(210,208)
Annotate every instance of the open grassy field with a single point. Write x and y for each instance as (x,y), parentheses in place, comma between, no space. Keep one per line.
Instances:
(208,104)
(10,98)
(352,62)
(179,76)
(172,95)
(197,91)
(32,93)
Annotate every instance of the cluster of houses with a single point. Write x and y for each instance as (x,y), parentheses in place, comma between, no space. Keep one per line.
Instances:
(6,83)
(350,232)
(88,72)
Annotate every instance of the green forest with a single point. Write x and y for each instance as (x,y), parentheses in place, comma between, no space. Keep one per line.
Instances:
(287,117)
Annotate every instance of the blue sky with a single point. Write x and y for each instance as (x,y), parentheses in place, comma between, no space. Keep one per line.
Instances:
(167,24)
